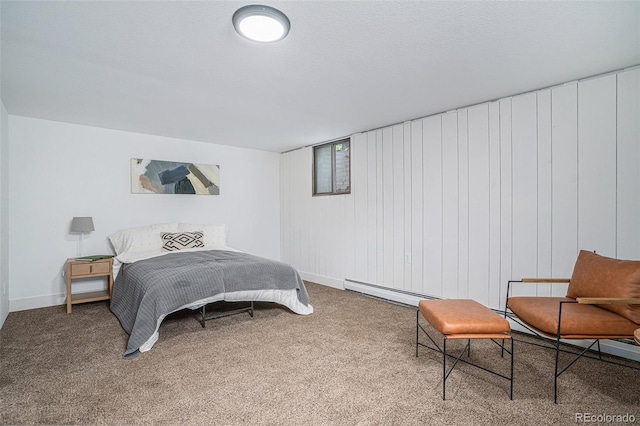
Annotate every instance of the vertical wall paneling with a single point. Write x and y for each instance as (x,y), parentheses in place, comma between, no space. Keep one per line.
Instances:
(304,233)
(398,206)
(463,204)
(407,205)
(433,204)
(295,209)
(597,165)
(360,191)
(478,219)
(371,207)
(628,159)
(335,235)
(349,226)
(285,208)
(544,190)
(417,203)
(296,214)
(316,233)
(307,234)
(494,205)
(388,203)
(564,169)
(379,210)
(288,223)
(456,204)
(506,196)
(524,190)
(339,237)
(450,205)
(311,209)
(324,222)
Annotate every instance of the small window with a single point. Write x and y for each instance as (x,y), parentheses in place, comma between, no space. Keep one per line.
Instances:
(331,168)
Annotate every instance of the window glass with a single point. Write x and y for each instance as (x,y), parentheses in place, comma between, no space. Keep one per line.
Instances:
(331,168)
(323,169)
(342,167)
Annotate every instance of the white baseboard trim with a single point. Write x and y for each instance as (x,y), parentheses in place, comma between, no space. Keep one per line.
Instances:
(3,317)
(321,279)
(37,302)
(613,347)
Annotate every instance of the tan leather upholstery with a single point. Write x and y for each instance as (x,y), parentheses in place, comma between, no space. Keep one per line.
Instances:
(463,318)
(636,335)
(578,321)
(599,276)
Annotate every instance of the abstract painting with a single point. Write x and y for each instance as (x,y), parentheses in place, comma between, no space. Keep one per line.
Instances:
(172,177)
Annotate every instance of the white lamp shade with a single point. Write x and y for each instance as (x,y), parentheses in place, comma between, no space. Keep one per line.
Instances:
(82,224)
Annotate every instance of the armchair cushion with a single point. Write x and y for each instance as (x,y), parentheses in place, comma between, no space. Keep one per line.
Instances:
(599,276)
(578,321)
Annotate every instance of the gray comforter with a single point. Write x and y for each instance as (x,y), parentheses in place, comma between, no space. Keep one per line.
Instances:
(149,289)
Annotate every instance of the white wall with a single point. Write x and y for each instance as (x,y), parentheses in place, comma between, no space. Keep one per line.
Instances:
(58,171)
(4,215)
(456,204)
(4,209)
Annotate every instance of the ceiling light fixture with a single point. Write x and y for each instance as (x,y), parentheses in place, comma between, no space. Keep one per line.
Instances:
(261,23)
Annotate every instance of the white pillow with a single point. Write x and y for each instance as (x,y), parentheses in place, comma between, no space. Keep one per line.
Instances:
(214,235)
(142,239)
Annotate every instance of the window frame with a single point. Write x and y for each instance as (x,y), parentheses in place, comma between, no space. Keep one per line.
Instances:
(333,168)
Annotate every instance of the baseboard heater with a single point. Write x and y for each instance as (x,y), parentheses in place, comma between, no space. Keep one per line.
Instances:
(401,297)
(622,348)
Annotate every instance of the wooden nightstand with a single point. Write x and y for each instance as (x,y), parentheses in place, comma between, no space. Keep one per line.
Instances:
(82,269)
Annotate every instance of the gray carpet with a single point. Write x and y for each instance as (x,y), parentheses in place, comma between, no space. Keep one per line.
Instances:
(352,362)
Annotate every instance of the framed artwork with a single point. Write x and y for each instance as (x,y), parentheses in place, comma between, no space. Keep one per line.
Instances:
(172,177)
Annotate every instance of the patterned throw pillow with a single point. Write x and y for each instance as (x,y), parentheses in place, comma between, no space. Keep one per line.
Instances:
(181,240)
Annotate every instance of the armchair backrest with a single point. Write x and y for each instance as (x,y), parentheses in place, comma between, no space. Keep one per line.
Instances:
(600,276)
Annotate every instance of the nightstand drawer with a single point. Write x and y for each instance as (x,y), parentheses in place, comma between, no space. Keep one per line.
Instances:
(89,268)
(100,267)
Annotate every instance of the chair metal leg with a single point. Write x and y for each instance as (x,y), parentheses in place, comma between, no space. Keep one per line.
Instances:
(511,378)
(417,321)
(555,380)
(444,368)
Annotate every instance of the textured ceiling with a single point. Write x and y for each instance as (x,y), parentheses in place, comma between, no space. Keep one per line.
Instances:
(178,69)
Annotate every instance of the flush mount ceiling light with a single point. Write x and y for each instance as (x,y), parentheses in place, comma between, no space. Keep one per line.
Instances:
(261,23)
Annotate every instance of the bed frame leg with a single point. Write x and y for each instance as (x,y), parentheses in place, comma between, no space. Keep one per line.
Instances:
(203,316)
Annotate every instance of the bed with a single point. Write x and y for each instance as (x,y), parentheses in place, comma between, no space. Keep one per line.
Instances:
(196,269)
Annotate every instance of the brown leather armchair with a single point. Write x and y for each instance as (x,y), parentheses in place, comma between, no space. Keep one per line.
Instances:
(602,302)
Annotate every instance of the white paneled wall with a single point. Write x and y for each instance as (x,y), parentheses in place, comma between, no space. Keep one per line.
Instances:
(456,204)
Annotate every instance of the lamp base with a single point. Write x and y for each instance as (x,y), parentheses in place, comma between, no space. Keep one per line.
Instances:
(80,244)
